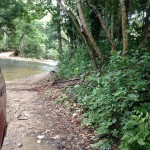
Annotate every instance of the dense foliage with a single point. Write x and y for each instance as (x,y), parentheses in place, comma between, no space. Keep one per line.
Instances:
(103,43)
(24,29)
(115,103)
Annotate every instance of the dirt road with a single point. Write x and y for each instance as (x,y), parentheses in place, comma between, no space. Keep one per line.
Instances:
(36,121)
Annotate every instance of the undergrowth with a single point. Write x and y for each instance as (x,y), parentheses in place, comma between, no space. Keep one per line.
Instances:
(75,65)
(116,103)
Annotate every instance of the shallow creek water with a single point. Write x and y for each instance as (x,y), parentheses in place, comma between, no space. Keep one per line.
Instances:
(15,69)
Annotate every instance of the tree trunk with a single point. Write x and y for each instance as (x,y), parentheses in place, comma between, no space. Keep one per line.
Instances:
(146,26)
(124,27)
(88,33)
(59,29)
(21,44)
(4,40)
(112,19)
(77,26)
(108,35)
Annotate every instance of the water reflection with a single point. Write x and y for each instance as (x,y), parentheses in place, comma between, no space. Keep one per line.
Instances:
(14,69)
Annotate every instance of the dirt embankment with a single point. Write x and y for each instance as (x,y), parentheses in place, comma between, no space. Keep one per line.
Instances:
(37,122)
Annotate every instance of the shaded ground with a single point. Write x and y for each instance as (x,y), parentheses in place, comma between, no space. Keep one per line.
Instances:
(37,122)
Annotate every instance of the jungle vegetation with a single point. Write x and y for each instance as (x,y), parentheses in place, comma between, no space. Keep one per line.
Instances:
(103,43)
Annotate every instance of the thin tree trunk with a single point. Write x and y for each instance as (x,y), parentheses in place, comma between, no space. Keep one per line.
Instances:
(112,19)
(88,33)
(108,35)
(21,44)
(77,26)
(90,52)
(59,29)
(146,25)
(124,27)
(4,40)
(59,38)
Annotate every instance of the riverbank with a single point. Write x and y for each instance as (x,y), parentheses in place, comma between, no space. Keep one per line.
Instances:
(9,55)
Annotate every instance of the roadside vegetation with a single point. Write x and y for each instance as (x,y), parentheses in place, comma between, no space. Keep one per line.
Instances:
(105,44)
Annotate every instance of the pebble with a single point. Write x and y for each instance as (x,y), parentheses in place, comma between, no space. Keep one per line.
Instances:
(56,137)
(40,137)
(74,115)
(17,115)
(19,144)
(39,141)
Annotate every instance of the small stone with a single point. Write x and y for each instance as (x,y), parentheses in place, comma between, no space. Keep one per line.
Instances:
(19,144)
(78,111)
(74,104)
(39,141)
(26,114)
(46,131)
(17,115)
(47,115)
(74,115)
(56,137)
(40,137)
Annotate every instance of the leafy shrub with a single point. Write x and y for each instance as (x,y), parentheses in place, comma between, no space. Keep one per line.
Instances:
(136,131)
(116,103)
(51,54)
(75,65)
(33,47)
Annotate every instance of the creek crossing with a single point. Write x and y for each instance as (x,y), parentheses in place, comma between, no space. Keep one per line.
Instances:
(16,69)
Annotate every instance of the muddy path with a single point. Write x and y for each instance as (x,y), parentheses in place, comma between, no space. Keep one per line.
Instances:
(37,122)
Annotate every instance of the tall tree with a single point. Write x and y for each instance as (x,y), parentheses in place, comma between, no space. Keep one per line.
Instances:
(88,33)
(112,19)
(102,23)
(76,23)
(59,28)
(124,27)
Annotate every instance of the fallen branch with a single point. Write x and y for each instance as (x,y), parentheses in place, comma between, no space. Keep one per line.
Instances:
(64,81)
